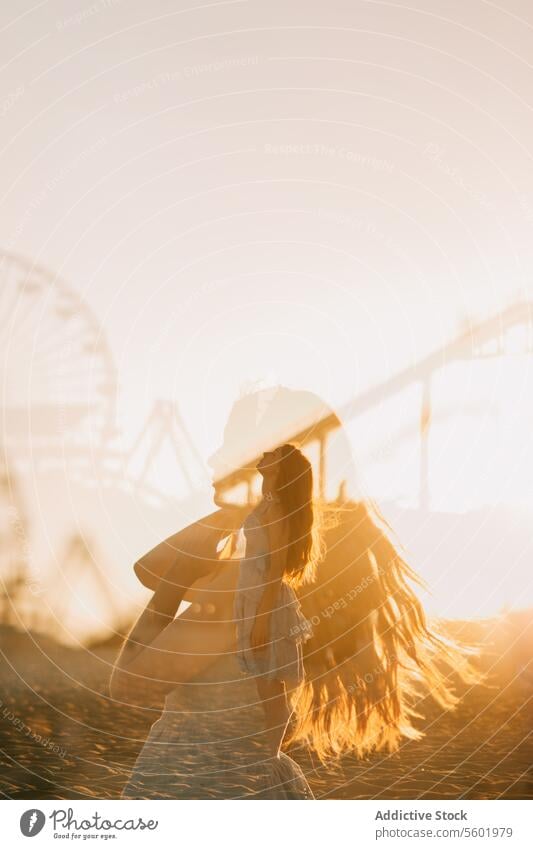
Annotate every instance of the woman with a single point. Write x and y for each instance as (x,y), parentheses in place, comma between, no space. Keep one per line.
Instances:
(282,549)
(370,658)
(282,552)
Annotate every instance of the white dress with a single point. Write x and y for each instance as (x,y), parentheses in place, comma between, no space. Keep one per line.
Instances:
(281,658)
(210,742)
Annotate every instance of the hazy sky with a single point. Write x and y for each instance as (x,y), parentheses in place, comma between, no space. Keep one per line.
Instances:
(311,193)
(248,188)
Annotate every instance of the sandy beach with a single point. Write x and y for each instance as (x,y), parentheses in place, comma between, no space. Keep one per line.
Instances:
(61,736)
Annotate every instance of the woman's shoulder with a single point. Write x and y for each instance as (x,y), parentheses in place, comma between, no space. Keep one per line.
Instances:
(255,517)
(260,519)
(266,518)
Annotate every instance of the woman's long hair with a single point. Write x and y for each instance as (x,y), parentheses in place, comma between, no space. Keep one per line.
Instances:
(373,655)
(294,486)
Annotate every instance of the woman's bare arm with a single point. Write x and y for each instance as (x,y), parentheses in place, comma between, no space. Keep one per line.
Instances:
(157,615)
(199,538)
(171,568)
(190,643)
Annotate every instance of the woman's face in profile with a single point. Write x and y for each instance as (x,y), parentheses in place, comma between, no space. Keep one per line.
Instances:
(268,467)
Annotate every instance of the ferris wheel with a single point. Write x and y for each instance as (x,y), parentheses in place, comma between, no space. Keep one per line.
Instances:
(59,433)
(58,376)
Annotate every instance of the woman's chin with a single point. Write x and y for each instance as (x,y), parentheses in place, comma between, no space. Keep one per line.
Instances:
(218,498)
